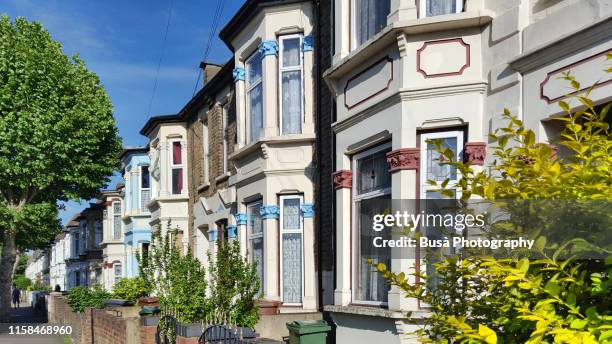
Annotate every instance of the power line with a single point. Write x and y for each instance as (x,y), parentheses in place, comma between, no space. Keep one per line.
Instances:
(211,35)
(161,56)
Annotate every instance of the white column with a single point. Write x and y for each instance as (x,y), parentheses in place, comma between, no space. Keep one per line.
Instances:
(343,183)
(341,28)
(270,92)
(240,105)
(309,91)
(402,10)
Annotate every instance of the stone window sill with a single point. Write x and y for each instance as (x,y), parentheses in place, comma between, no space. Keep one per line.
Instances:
(203,187)
(222,177)
(374,311)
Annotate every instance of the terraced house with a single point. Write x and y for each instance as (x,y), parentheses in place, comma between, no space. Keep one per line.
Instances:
(403,72)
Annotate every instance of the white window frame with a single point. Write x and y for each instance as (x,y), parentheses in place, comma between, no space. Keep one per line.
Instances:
(206,147)
(249,87)
(425,186)
(291,231)
(251,237)
(423,7)
(117,278)
(115,215)
(141,188)
(282,69)
(355,230)
(354,40)
(224,120)
(174,166)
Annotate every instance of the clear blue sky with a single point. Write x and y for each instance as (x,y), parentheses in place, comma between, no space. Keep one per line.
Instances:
(122,42)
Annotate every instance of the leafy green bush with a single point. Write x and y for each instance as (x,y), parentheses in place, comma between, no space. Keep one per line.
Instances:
(22,282)
(80,298)
(234,285)
(131,288)
(39,286)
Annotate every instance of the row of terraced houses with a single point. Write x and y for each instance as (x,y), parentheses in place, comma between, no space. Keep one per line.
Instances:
(324,111)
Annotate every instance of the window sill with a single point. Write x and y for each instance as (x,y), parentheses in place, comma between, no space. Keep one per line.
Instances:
(203,187)
(374,311)
(388,35)
(222,177)
(253,146)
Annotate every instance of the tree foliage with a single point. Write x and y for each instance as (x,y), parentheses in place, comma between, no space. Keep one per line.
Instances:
(81,297)
(131,288)
(519,300)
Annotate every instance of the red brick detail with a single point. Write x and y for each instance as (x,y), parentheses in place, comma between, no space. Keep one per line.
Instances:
(475,152)
(147,334)
(186,340)
(404,159)
(343,179)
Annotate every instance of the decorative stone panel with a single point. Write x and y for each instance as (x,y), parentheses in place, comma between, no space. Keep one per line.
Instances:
(307,210)
(238,74)
(270,211)
(446,57)
(268,48)
(404,159)
(307,43)
(343,179)
(241,219)
(368,83)
(475,152)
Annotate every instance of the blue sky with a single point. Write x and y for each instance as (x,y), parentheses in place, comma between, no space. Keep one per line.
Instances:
(122,42)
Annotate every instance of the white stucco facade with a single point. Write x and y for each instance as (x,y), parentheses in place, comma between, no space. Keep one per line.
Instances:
(446,76)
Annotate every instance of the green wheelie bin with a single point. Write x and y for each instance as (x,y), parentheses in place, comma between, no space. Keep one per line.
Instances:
(308,332)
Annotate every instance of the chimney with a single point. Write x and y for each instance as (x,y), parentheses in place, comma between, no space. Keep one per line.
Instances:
(209,70)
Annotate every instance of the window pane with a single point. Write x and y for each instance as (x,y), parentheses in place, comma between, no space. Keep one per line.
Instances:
(177,181)
(256,112)
(291,213)
(253,67)
(292,102)
(176,153)
(373,172)
(292,267)
(291,52)
(371,18)
(117,227)
(438,7)
(254,218)
(144,177)
(435,170)
(145,198)
(371,285)
(117,208)
(258,259)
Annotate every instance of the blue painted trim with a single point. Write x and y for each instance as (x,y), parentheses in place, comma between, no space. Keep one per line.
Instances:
(232,231)
(271,211)
(268,48)
(238,74)
(307,210)
(307,43)
(241,219)
(212,235)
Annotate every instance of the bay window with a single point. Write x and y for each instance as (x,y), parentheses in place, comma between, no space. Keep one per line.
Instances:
(145,189)
(116,220)
(291,249)
(77,244)
(177,168)
(371,196)
(118,272)
(255,235)
(291,76)
(254,89)
(430,8)
(97,233)
(370,17)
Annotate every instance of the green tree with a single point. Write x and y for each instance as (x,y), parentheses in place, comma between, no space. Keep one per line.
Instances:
(480,299)
(58,139)
(131,288)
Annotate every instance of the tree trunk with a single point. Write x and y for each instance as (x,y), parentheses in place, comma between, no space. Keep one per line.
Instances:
(7,264)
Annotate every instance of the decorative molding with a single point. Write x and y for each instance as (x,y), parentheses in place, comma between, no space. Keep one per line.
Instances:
(404,159)
(241,219)
(559,71)
(343,179)
(307,43)
(307,210)
(232,231)
(475,152)
(270,211)
(238,74)
(268,48)
(388,61)
(443,41)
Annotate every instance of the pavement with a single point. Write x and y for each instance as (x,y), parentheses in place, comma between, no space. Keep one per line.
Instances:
(27,316)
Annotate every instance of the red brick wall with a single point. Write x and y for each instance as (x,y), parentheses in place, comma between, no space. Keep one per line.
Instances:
(108,328)
(147,334)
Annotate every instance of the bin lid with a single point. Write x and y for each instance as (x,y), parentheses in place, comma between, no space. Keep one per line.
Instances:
(308,326)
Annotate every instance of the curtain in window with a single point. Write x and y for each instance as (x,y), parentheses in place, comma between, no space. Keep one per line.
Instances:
(373,173)
(291,52)
(292,268)
(145,198)
(438,7)
(292,102)
(372,285)
(371,18)
(435,170)
(177,181)
(258,260)
(291,213)
(256,115)
(176,153)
